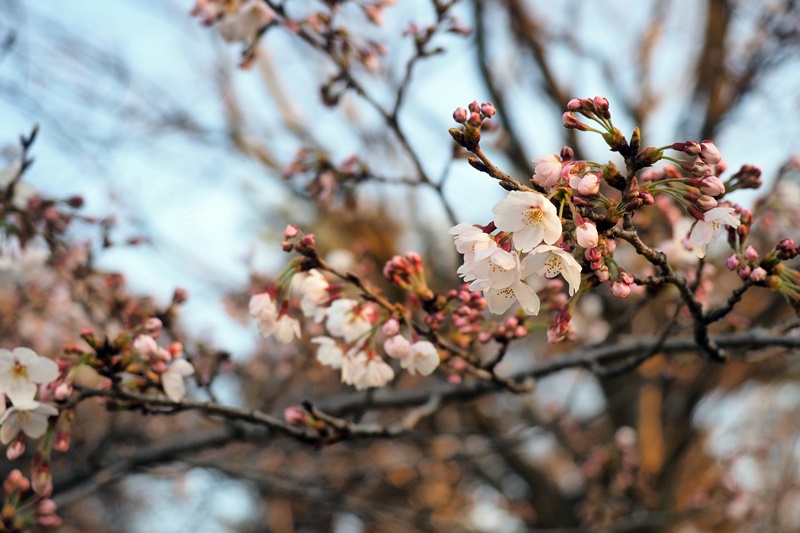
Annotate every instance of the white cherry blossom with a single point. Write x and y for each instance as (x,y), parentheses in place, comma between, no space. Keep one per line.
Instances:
(172,379)
(530,217)
(30,419)
(376,374)
(586,235)
(21,371)
(314,295)
(499,300)
(709,229)
(244,25)
(422,357)
(330,352)
(550,261)
(271,321)
(348,319)
(397,347)
(494,268)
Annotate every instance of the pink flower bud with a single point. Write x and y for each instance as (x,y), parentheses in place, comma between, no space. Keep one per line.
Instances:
(488,110)
(732,262)
(295,415)
(391,327)
(290,232)
(601,106)
(570,122)
(586,235)
(475,120)
(709,153)
(63,391)
(15,450)
(626,278)
(484,337)
(758,274)
(520,332)
(475,107)
(575,104)
(620,289)
(706,203)
(712,186)
(592,254)
(744,272)
(750,253)
(460,115)
(47,506)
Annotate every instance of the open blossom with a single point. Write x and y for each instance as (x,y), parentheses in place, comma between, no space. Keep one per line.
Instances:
(376,374)
(422,357)
(271,322)
(550,261)
(349,319)
(493,267)
(330,352)
(709,229)
(548,170)
(499,300)
(530,216)
(172,379)
(21,371)
(315,295)
(30,419)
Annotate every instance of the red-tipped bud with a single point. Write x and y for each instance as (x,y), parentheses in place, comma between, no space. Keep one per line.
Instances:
(475,120)
(786,249)
(488,110)
(460,115)
(601,106)
(567,154)
(570,122)
(475,107)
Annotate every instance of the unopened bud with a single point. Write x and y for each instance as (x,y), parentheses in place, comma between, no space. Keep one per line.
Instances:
(475,120)
(391,327)
(290,232)
(750,253)
(786,249)
(705,202)
(567,154)
(709,153)
(758,274)
(712,186)
(180,296)
(460,115)
(570,122)
(475,107)
(488,110)
(620,289)
(601,106)
(732,262)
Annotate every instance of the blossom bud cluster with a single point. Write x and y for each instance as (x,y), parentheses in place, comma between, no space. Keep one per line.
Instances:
(23,508)
(351,325)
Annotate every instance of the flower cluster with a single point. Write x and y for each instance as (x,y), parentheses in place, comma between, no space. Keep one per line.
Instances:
(509,265)
(352,326)
(22,372)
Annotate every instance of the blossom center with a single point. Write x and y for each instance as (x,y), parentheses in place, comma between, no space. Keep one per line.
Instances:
(533,216)
(19,372)
(553,266)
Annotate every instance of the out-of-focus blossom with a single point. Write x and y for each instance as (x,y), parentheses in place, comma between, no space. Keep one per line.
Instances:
(314,295)
(30,419)
(329,353)
(21,371)
(247,22)
(349,319)
(422,357)
(172,379)
(709,229)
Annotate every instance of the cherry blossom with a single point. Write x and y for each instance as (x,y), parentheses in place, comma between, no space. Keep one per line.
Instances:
(530,216)
(548,170)
(550,261)
(495,268)
(376,374)
(397,347)
(21,371)
(709,229)
(271,322)
(422,357)
(314,295)
(172,379)
(31,419)
(329,353)
(348,319)
(588,185)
